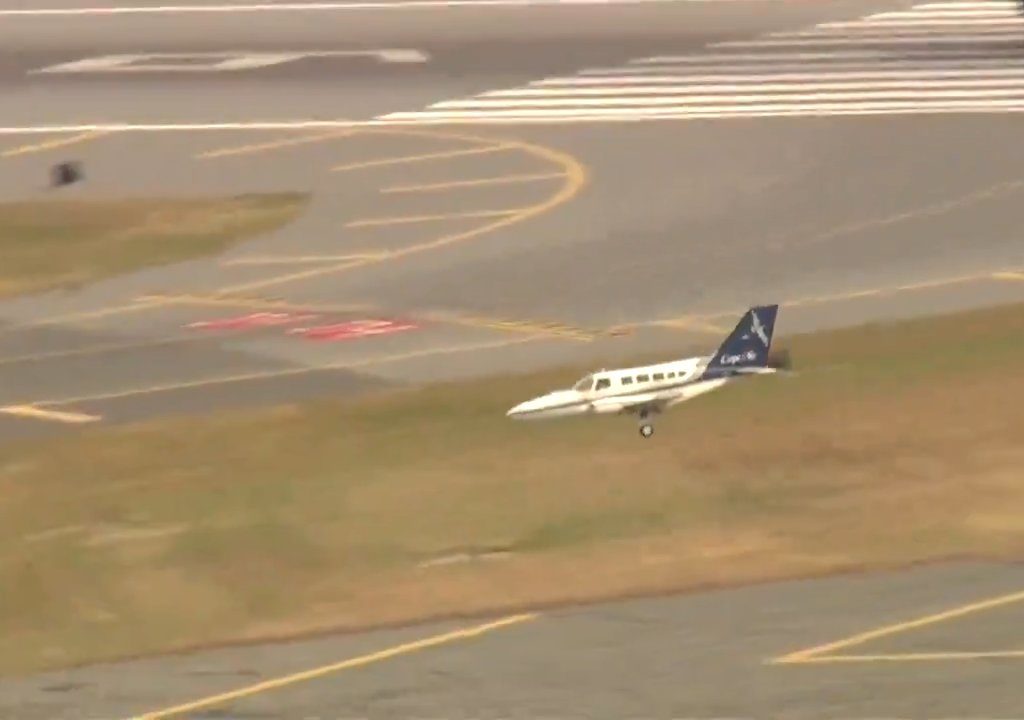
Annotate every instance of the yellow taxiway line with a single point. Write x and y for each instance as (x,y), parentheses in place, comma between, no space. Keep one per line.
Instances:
(462,634)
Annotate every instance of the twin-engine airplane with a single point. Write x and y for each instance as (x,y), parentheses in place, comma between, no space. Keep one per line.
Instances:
(649,390)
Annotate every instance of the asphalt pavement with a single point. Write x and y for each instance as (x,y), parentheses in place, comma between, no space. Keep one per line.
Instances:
(929,643)
(472,239)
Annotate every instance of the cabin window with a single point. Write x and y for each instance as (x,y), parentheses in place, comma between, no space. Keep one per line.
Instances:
(671,375)
(603,383)
(627,381)
(584,384)
(659,376)
(643,378)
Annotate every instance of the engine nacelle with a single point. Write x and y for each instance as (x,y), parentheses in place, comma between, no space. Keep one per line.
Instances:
(607,407)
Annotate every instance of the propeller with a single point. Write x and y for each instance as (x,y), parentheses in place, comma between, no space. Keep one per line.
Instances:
(781,361)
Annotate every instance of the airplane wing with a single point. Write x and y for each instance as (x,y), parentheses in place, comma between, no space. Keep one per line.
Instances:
(651,402)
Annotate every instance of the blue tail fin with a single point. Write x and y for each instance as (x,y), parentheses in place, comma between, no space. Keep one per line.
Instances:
(747,345)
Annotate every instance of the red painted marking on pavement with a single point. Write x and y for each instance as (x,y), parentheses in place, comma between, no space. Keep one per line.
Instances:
(243,322)
(352,329)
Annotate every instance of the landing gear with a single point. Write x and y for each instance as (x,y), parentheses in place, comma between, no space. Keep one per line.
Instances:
(646,428)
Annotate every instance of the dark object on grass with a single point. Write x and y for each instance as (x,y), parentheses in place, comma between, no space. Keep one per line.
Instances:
(65,174)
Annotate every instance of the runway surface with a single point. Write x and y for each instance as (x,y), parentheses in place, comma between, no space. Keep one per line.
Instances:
(509,247)
(939,642)
(465,222)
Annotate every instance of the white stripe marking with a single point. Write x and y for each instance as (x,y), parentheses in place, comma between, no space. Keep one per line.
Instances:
(31,411)
(1016,70)
(178,127)
(1008,36)
(876,33)
(684,100)
(804,111)
(101,10)
(753,86)
(556,116)
(224,61)
(724,110)
(1007,11)
(966,5)
(950,54)
(922,23)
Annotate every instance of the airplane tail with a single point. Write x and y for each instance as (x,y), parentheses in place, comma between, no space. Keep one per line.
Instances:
(747,346)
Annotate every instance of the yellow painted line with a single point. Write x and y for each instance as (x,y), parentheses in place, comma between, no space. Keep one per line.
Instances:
(374,657)
(1008,276)
(692,323)
(575,174)
(576,179)
(79,317)
(303,259)
(804,655)
(36,413)
(99,349)
(909,287)
(403,220)
(253,303)
(827,299)
(529,327)
(500,180)
(408,159)
(937,208)
(292,372)
(915,657)
(532,327)
(55,143)
(274,144)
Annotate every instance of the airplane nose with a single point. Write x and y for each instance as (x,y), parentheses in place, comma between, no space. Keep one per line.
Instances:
(520,410)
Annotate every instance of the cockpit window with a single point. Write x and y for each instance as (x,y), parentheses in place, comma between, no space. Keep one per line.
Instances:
(603,383)
(584,384)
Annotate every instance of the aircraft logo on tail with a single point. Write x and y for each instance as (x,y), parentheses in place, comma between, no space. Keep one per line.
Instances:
(759,329)
(738,350)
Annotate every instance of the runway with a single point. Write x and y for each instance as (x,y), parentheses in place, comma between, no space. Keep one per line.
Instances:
(467,222)
(938,642)
(464,236)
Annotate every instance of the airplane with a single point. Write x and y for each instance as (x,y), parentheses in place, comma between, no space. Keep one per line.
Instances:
(651,389)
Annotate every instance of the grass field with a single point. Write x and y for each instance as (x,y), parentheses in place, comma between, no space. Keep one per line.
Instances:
(892,444)
(59,244)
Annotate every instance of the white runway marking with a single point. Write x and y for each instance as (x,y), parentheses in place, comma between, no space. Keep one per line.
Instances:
(939,57)
(102,10)
(928,59)
(225,61)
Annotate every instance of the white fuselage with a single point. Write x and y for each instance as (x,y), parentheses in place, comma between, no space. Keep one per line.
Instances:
(614,391)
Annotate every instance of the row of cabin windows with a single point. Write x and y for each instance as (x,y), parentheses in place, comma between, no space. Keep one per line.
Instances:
(605,382)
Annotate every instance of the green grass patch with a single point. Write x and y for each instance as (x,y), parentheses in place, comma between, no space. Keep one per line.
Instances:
(56,244)
(893,443)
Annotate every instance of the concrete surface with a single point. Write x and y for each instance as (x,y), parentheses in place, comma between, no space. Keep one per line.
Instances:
(700,656)
(843,219)
(608,225)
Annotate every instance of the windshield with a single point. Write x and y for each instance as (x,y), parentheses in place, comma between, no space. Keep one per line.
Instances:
(584,384)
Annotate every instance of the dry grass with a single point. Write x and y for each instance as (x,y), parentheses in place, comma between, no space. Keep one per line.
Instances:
(59,244)
(894,444)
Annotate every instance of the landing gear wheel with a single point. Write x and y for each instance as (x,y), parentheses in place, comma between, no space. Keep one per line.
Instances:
(646,430)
